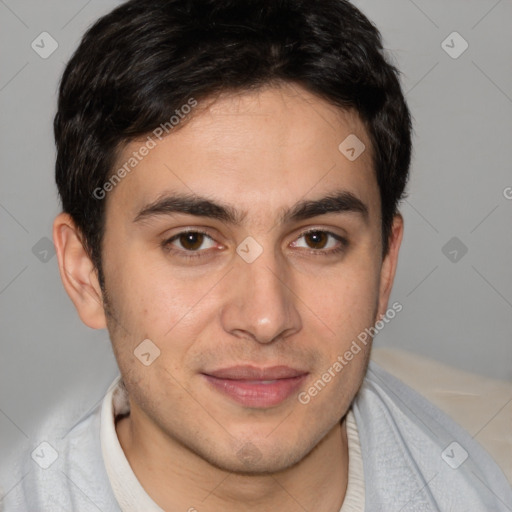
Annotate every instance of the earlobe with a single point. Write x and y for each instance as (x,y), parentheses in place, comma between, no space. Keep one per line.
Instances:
(389,264)
(78,273)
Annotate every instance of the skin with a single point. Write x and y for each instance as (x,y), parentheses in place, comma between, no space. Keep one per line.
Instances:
(259,152)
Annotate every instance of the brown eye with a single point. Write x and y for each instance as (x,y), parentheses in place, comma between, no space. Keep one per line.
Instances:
(316,239)
(190,245)
(321,242)
(191,240)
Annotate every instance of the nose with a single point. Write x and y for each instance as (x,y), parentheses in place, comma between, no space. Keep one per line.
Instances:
(260,303)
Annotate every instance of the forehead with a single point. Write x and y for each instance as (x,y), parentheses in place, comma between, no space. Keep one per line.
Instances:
(256,149)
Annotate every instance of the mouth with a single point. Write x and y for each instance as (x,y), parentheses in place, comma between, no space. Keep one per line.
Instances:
(256,387)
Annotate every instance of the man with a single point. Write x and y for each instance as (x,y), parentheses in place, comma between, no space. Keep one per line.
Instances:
(230,174)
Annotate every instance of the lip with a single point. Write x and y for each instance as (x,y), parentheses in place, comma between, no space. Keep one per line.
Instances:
(256,387)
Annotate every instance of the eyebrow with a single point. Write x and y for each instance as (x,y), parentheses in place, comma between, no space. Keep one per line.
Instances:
(190,204)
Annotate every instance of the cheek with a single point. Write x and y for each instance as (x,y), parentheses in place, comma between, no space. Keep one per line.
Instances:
(346,301)
(347,306)
(151,301)
(145,289)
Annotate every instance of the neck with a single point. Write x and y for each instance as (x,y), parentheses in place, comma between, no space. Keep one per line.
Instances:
(177,479)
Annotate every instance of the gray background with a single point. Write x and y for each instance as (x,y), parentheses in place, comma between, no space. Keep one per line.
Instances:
(458,312)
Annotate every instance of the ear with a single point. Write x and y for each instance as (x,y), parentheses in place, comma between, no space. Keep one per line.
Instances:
(389,264)
(78,273)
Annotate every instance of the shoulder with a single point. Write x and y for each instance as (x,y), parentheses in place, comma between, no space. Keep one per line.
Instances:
(61,472)
(414,451)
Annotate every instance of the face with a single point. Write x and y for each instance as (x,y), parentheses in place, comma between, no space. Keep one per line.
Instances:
(246,247)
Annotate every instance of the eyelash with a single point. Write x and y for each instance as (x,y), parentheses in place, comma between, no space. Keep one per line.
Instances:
(187,254)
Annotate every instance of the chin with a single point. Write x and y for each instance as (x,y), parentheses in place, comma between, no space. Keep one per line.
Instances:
(250,459)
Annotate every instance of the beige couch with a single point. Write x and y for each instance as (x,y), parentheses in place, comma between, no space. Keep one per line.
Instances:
(481,405)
